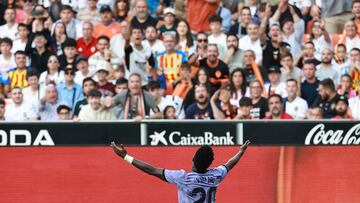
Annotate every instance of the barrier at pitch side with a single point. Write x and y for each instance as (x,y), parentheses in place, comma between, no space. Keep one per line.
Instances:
(181,133)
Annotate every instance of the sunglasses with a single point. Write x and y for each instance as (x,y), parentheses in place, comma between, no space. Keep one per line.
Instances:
(69,73)
(202,40)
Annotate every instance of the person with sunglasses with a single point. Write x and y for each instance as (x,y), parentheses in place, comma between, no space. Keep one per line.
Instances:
(201,47)
(69,92)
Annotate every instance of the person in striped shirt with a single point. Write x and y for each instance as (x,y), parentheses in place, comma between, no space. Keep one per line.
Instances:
(168,63)
(17,75)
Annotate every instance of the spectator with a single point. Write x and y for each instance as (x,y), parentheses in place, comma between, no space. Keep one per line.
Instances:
(31,93)
(117,44)
(218,70)
(345,88)
(19,44)
(103,55)
(93,111)
(225,14)
(106,88)
(86,45)
(308,54)
(73,25)
(276,108)
(135,102)
(285,11)
(335,14)
(251,41)
(356,12)
(82,67)
(328,98)
(90,13)
(233,57)
(58,37)
(202,78)
(10,28)
(121,85)
(138,58)
(201,108)
(70,53)
(39,55)
(342,108)
(169,22)
(244,112)
(107,26)
(250,65)
(63,112)
(142,18)
(217,36)
(121,10)
(311,83)
(201,48)
(354,68)
(163,101)
(238,86)
(288,71)
(352,38)
(240,28)
(341,60)
(288,28)
(199,21)
(326,69)
(295,106)
(169,113)
(168,63)
(49,103)
(275,86)
(18,110)
(152,41)
(17,75)
(271,48)
(260,104)
(184,38)
(7,59)
(221,106)
(354,106)
(320,37)
(69,92)
(53,74)
(315,113)
(87,85)
(2,109)
(184,84)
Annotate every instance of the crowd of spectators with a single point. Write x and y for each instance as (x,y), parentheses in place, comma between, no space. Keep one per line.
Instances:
(91,60)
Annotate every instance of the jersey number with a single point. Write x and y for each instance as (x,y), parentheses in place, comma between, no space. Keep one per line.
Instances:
(203,194)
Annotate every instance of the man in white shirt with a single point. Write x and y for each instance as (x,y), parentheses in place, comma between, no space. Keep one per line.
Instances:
(7,59)
(294,105)
(217,36)
(275,86)
(19,110)
(352,39)
(251,41)
(10,28)
(82,67)
(23,35)
(31,93)
(152,41)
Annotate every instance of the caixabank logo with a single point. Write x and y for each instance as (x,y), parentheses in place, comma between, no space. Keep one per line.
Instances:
(177,138)
(21,137)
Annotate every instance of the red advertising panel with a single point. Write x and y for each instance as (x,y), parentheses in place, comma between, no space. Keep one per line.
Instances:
(96,174)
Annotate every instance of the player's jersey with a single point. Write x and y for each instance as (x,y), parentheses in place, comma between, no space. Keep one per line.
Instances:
(196,187)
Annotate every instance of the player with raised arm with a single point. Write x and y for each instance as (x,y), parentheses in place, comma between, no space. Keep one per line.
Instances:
(197,186)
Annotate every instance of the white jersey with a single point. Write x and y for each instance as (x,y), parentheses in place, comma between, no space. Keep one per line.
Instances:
(196,187)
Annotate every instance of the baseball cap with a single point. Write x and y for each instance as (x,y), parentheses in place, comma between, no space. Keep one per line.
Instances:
(80,58)
(101,66)
(105,8)
(344,99)
(274,69)
(169,10)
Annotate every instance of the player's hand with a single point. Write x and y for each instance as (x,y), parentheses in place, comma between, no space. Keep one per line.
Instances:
(245,145)
(119,150)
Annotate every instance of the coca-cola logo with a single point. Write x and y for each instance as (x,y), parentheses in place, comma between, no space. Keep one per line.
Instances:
(319,135)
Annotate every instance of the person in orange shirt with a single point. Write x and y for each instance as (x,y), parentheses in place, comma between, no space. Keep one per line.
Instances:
(199,21)
(107,26)
(17,75)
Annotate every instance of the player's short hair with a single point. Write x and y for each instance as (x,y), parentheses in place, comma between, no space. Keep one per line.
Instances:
(203,158)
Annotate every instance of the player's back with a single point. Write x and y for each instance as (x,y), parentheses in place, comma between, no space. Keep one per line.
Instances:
(196,187)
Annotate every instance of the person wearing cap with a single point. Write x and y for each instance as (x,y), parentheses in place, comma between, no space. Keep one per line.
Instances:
(142,18)
(169,21)
(94,111)
(244,112)
(275,86)
(73,25)
(69,92)
(90,12)
(86,45)
(107,25)
(39,55)
(103,85)
(82,67)
(342,109)
(69,55)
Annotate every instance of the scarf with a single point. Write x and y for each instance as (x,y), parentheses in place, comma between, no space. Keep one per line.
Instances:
(136,108)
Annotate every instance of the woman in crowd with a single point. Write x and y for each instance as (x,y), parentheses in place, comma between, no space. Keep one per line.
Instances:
(184,38)
(320,37)
(169,112)
(345,87)
(58,37)
(121,10)
(53,73)
(238,86)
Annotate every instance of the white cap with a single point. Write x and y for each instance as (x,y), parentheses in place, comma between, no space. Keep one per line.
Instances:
(101,66)
(169,10)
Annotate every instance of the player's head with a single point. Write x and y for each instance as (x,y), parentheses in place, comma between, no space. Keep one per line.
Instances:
(203,158)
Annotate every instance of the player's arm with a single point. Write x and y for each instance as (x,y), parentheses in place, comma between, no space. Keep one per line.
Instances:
(235,159)
(145,167)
